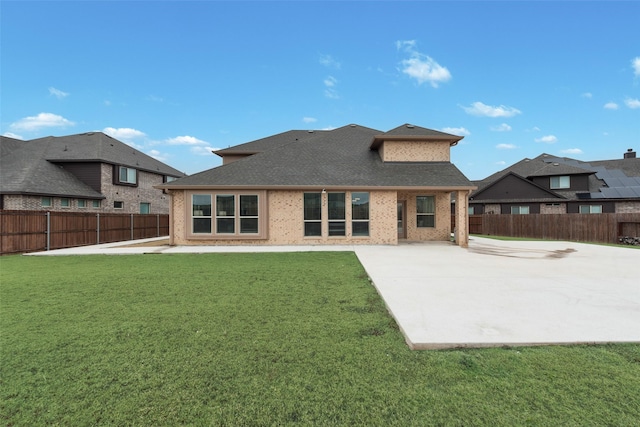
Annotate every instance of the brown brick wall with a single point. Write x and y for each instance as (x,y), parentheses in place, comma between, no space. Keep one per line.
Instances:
(286,225)
(415,151)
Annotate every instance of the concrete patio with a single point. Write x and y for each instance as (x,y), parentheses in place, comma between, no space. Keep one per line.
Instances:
(495,293)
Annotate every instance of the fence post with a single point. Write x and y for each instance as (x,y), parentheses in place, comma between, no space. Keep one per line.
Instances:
(48,230)
(131,227)
(98,229)
(157,225)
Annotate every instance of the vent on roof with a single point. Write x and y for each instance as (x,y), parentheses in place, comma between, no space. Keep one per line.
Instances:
(410,126)
(556,164)
(352,125)
(311,131)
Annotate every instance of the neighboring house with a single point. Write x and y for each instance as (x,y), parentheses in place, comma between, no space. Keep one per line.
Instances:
(89,172)
(549,184)
(351,185)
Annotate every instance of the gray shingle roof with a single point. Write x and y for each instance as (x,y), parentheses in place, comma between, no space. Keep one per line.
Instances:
(29,167)
(97,146)
(338,158)
(23,170)
(614,179)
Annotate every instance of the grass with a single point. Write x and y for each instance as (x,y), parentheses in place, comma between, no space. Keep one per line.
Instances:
(266,340)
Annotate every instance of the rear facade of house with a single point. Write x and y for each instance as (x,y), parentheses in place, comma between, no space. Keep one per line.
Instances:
(351,185)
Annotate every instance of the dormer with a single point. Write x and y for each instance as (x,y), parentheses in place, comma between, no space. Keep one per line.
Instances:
(409,143)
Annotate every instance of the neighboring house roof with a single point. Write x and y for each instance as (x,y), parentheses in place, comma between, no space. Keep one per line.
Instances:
(500,189)
(607,179)
(338,158)
(24,170)
(99,147)
(31,167)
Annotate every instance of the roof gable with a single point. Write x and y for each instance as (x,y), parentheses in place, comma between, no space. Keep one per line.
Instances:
(512,186)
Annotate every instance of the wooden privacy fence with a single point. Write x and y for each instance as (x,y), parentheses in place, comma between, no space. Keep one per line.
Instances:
(602,228)
(30,231)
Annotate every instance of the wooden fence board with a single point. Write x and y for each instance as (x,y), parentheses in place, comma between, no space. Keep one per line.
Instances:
(602,228)
(26,231)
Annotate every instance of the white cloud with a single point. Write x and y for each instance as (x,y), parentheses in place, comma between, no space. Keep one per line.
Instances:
(547,139)
(123,134)
(309,119)
(42,120)
(185,140)
(587,95)
(12,135)
(330,62)
(203,150)
(533,129)
(457,131)
(506,146)
(480,109)
(611,106)
(330,92)
(571,151)
(330,81)
(501,163)
(421,67)
(57,93)
(501,128)
(635,63)
(406,45)
(632,103)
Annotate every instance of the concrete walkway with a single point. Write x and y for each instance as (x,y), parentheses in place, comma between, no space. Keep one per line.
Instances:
(494,293)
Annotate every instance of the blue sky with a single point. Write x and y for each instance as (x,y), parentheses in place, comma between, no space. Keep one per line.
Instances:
(179,79)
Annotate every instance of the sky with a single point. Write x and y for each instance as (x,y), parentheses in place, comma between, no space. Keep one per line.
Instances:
(177,80)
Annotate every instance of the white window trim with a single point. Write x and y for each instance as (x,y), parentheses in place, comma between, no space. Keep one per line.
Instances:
(560,185)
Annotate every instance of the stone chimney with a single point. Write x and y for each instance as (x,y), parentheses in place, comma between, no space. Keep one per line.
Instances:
(630,154)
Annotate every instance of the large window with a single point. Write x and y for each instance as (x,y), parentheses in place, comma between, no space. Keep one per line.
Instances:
(201,213)
(560,182)
(312,214)
(337,214)
(227,215)
(426,211)
(590,209)
(360,214)
(127,175)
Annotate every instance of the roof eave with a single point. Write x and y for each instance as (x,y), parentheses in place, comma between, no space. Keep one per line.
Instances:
(320,187)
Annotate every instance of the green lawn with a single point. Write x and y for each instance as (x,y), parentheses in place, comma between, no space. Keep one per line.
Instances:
(266,339)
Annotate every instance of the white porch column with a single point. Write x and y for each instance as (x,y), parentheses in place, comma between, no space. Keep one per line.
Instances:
(462,218)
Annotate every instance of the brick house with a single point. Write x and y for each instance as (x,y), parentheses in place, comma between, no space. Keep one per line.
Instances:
(89,172)
(351,185)
(557,185)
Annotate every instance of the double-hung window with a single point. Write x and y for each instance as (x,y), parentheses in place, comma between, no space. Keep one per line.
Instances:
(313,214)
(425,211)
(560,182)
(249,218)
(201,213)
(337,214)
(225,214)
(127,175)
(359,214)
